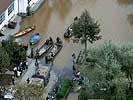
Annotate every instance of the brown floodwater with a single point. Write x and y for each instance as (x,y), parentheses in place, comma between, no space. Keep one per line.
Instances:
(54,16)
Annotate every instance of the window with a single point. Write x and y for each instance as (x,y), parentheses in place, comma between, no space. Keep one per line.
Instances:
(29,1)
(2,17)
(10,9)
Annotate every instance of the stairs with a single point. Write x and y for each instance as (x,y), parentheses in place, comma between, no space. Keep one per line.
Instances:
(81,57)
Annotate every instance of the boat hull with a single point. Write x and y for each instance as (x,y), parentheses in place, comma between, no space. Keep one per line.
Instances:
(42,50)
(23,32)
(34,39)
(68,32)
(55,49)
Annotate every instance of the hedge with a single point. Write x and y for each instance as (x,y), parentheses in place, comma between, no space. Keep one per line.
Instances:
(65,85)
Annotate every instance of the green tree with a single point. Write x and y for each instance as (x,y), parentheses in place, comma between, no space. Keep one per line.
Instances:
(108,85)
(107,79)
(84,95)
(29,92)
(126,60)
(86,29)
(4,58)
(16,53)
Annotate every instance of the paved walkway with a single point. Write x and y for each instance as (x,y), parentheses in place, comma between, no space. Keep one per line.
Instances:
(30,72)
(73,96)
(7,31)
(52,81)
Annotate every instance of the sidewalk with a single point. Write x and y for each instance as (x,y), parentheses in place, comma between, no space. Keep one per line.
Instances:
(7,31)
(30,71)
(73,96)
(53,79)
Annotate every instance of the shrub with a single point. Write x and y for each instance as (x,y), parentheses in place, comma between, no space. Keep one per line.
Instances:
(65,85)
(83,95)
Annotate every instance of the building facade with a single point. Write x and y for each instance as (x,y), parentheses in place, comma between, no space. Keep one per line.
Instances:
(10,8)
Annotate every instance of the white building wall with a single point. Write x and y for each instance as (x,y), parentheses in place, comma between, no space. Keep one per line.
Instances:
(23,4)
(8,17)
(20,6)
(3,23)
(16,6)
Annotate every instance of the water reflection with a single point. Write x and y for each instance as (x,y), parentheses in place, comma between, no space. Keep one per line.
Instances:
(125,2)
(130,18)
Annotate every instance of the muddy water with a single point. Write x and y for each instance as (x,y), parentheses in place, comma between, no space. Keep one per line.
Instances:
(54,16)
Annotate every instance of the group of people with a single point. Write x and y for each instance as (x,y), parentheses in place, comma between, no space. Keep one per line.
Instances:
(76,74)
(69,31)
(19,70)
(50,41)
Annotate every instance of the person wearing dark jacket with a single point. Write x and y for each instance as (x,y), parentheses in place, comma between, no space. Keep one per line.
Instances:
(28,80)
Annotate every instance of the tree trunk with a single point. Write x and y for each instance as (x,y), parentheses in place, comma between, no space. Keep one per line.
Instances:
(130,81)
(85,50)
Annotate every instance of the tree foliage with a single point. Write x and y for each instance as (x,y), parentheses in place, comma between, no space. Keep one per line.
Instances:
(109,80)
(16,53)
(4,58)
(126,60)
(84,95)
(29,92)
(86,29)
(65,85)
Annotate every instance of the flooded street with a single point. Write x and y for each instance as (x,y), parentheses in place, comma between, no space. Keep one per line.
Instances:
(54,16)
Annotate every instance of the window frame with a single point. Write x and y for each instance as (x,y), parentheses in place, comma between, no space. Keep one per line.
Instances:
(10,8)
(2,17)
